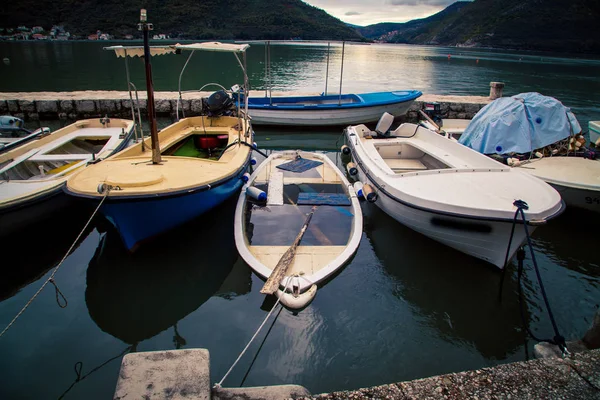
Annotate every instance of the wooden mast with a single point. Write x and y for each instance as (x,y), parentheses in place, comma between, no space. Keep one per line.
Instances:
(145,27)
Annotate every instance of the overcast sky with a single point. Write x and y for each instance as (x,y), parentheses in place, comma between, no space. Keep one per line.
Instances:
(367,12)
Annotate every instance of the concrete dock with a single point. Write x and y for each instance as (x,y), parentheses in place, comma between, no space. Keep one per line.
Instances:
(35,106)
(185,374)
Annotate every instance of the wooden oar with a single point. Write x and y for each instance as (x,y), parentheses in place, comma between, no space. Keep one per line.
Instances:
(430,120)
(272,284)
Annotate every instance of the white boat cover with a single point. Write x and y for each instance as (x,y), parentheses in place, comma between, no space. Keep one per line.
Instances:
(138,51)
(520,124)
(214,46)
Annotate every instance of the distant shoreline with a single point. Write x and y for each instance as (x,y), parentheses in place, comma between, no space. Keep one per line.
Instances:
(566,54)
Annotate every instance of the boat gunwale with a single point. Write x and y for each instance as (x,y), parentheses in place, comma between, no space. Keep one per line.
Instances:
(411,96)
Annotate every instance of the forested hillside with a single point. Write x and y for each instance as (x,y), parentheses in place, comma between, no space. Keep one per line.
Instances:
(221,19)
(551,25)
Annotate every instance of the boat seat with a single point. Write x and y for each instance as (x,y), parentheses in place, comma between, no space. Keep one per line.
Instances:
(404,164)
(275,191)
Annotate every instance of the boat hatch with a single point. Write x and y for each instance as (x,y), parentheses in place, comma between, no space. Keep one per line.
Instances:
(81,145)
(278,225)
(199,145)
(403,157)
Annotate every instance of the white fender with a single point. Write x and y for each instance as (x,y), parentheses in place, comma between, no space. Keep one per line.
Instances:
(297,302)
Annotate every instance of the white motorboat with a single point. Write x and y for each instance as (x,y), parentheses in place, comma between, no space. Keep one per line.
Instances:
(447,191)
(272,209)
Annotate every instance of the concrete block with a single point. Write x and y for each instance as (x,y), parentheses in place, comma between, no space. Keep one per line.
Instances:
(107,107)
(62,115)
(67,106)
(20,115)
(26,106)
(13,106)
(457,107)
(173,374)
(85,106)
(472,109)
(262,393)
(163,106)
(33,116)
(196,106)
(462,115)
(46,106)
(72,116)
(3,107)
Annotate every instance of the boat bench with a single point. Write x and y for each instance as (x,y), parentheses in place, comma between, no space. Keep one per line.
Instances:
(404,164)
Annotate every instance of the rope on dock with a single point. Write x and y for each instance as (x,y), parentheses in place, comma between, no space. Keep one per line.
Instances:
(558,339)
(51,278)
(253,336)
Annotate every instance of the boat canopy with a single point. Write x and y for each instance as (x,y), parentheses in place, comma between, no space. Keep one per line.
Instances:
(214,46)
(138,51)
(520,124)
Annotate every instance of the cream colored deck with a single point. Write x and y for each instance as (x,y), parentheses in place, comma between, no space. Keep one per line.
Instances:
(133,171)
(308,260)
(326,173)
(404,164)
(568,171)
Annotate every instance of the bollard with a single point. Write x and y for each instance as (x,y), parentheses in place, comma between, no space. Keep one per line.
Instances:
(496,90)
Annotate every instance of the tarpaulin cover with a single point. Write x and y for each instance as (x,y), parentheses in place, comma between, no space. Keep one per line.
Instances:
(519,124)
(299,165)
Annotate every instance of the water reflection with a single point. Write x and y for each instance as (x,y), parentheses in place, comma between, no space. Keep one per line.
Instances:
(577,251)
(40,247)
(458,298)
(135,297)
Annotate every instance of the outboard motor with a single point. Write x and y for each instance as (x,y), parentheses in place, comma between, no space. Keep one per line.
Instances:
(219,103)
(433,110)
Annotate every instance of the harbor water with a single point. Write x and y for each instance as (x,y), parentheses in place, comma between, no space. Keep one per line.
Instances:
(404,307)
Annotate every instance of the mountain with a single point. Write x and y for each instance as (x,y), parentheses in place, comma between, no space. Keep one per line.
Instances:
(376,31)
(549,25)
(205,19)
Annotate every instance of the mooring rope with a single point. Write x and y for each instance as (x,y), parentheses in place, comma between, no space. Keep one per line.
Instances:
(51,277)
(253,336)
(558,339)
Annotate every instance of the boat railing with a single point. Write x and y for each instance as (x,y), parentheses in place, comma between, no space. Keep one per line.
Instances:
(138,131)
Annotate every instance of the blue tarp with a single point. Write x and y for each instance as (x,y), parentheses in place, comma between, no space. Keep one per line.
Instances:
(519,124)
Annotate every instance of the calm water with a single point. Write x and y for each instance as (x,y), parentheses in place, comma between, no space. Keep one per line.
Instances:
(404,307)
(65,66)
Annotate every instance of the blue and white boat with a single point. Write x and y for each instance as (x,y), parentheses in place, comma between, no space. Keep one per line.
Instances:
(194,165)
(326,109)
(329,110)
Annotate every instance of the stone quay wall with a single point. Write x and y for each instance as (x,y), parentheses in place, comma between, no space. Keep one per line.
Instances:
(34,106)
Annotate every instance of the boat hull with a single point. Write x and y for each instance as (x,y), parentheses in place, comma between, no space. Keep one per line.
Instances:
(330,117)
(483,239)
(579,198)
(144,217)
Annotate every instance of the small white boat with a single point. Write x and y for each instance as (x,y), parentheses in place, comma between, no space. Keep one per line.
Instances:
(451,128)
(272,209)
(13,134)
(37,171)
(447,191)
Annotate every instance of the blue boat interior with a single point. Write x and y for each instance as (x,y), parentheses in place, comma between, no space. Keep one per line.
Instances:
(278,225)
(333,100)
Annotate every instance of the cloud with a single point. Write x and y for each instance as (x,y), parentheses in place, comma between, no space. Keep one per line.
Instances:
(435,3)
(361,12)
